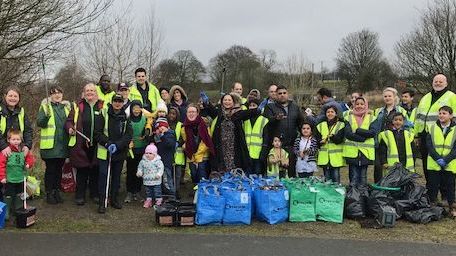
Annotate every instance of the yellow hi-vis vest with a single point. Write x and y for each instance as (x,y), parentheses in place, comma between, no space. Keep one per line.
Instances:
(443,146)
(179,157)
(427,114)
(106,98)
(102,152)
(21,115)
(47,135)
(393,154)
(330,153)
(214,122)
(153,95)
(367,147)
(254,136)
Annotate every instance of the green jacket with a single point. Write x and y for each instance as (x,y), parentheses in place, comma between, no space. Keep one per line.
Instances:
(60,149)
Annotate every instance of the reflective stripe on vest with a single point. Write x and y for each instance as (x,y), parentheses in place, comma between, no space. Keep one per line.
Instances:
(443,146)
(254,136)
(393,154)
(427,114)
(367,147)
(47,135)
(179,157)
(330,153)
(21,122)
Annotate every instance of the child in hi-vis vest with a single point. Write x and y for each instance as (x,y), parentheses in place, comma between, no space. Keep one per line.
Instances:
(441,163)
(277,159)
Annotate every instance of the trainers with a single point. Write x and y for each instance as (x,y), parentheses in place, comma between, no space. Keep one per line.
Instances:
(128,198)
(147,203)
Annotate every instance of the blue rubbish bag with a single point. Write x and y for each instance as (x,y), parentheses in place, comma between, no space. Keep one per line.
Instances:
(209,206)
(271,204)
(3,210)
(238,205)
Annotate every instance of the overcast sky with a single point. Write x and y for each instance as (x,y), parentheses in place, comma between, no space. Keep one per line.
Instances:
(313,28)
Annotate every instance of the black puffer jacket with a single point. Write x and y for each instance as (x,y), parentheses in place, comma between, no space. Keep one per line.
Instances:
(12,122)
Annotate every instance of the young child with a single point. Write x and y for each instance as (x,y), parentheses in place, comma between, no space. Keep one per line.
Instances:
(179,157)
(305,148)
(165,139)
(277,159)
(441,144)
(151,168)
(12,171)
(398,143)
(359,146)
(330,134)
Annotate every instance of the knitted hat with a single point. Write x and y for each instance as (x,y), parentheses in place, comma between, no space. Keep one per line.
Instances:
(161,122)
(151,148)
(161,106)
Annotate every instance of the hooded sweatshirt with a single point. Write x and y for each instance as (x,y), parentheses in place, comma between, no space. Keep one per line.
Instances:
(150,170)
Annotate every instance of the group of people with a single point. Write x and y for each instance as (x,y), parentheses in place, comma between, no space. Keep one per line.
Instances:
(160,134)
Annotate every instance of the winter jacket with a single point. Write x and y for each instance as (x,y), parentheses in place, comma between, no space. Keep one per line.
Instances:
(431,149)
(202,153)
(322,116)
(166,145)
(84,154)
(150,170)
(183,107)
(286,128)
(119,132)
(12,122)
(360,135)
(14,170)
(60,149)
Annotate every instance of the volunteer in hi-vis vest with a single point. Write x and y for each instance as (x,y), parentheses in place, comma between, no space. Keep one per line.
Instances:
(80,124)
(428,110)
(179,157)
(12,116)
(113,132)
(104,90)
(144,91)
(51,119)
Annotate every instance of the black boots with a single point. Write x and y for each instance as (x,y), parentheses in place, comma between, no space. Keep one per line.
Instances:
(101,205)
(115,203)
(58,197)
(50,197)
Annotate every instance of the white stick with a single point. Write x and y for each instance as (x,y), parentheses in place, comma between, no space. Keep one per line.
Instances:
(25,193)
(107,182)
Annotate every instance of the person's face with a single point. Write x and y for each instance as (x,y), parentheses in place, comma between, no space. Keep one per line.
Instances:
(319,99)
(388,98)
(353,97)
(330,114)
(90,92)
(105,82)
(272,92)
(360,105)
(12,98)
(282,96)
(306,130)
(253,94)
(177,95)
(125,92)
(445,116)
(140,78)
(117,105)
(15,140)
(137,110)
(164,95)
(253,105)
(162,129)
(150,156)
(398,122)
(192,113)
(276,142)
(172,115)
(57,96)
(406,98)
(228,101)
(161,113)
(439,82)
(237,88)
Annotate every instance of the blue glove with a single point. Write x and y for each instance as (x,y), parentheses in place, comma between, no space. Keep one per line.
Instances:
(204,97)
(441,162)
(112,148)
(262,105)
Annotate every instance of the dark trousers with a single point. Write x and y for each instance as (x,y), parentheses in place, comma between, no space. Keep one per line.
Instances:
(13,189)
(378,164)
(291,162)
(153,191)
(256,168)
(53,173)
(133,182)
(424,154)
(440,179)
(332,173)
(178,175)
(87,176)
(199,171)
(116,170)
(305,174)
(357,174)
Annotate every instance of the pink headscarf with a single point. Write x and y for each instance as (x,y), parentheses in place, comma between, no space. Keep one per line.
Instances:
(359,114)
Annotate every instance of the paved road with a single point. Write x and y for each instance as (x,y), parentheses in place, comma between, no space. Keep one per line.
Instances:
(154,244)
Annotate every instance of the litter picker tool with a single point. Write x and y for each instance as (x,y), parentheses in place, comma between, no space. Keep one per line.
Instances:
(107,182)
(45,79)
(82,135)
(25,217)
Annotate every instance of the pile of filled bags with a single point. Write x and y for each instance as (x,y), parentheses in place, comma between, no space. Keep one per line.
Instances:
(235,199)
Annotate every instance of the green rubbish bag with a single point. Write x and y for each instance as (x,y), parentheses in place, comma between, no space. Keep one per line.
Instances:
(302,203)
(329,203)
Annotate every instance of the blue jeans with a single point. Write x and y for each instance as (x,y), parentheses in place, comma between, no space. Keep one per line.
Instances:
(357,174)
(153,191)
(198,172)
(169,180)
(332,173)
(116,169)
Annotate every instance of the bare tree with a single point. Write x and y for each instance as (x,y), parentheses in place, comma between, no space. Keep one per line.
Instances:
(431,47)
